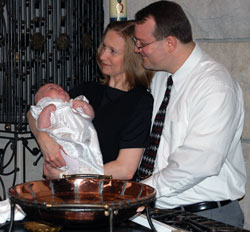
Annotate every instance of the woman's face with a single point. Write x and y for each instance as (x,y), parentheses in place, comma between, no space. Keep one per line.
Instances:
(112,55)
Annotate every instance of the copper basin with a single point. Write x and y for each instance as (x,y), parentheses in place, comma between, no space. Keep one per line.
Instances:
(81,200)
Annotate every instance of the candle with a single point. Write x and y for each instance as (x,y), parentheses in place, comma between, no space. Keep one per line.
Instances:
(118,10)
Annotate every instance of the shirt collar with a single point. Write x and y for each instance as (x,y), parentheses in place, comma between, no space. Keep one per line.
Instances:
(187,67)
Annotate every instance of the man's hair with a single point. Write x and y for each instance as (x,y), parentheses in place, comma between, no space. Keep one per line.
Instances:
(170,19)
(136,75)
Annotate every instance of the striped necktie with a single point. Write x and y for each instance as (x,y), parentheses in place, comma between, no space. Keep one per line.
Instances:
(148,158)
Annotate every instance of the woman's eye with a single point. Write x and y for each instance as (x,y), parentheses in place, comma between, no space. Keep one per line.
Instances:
(113,51)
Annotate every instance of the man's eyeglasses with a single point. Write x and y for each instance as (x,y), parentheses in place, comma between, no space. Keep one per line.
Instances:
(140,45)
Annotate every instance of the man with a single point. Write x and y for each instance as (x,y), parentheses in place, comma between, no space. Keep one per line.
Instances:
(199,165)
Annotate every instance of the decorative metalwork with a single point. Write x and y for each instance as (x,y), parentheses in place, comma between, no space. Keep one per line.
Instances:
(6,168)
(41,41)
(63,42)
(86,41)
(9,155)
(37,41)
(45,41)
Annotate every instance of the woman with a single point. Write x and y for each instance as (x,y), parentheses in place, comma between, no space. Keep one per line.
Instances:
(122,104)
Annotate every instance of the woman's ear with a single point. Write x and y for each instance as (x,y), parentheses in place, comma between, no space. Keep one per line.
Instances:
(171,43)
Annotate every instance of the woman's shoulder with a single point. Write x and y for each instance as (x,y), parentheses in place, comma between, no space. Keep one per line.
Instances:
(140,98)
(87,88)
(142,93)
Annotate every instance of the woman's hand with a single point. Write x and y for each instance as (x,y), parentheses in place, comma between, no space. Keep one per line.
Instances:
(49,171)
(49,148)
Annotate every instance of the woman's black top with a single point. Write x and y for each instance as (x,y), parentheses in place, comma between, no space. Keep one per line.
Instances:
(122,119)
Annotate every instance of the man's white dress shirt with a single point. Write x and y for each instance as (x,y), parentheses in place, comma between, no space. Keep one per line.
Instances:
(74,131)
(200,156)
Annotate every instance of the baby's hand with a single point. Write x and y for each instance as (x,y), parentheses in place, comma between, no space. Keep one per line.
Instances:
(87,108)
(43,120)
(50,108)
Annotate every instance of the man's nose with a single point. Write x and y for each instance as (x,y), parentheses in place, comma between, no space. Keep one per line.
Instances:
(136,49)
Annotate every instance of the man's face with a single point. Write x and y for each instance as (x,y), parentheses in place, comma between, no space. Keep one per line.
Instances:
(151,49)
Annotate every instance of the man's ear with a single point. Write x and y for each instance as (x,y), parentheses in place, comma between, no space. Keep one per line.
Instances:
(171,43)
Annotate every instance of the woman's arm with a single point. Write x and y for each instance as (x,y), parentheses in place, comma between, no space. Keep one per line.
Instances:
(50,149)
(125,166)
(135,134)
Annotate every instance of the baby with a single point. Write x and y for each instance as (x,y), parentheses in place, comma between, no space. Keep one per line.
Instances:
(69,122)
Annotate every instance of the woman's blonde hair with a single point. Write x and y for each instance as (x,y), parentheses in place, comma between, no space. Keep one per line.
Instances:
(136,75)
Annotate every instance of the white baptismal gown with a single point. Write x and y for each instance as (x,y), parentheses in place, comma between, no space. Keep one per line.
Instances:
(74,131)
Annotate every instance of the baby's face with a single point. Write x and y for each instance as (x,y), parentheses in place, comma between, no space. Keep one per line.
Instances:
(53,91)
